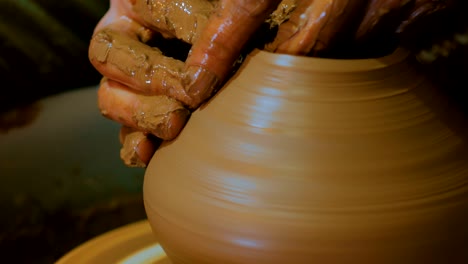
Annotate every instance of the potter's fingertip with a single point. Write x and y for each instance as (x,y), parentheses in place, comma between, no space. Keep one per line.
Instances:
(136,148)
(172,125)
(131,158)
(145,151)
(199,84)
(176,122)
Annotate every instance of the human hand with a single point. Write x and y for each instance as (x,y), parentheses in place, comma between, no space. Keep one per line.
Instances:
(335,27)
(151,93)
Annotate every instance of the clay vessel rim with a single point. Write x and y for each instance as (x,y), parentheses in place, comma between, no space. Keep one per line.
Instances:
(329,64)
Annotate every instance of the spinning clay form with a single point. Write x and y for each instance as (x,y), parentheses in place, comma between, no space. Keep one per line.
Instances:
(312,160)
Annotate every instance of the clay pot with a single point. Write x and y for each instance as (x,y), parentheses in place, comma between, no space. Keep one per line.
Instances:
(309,160)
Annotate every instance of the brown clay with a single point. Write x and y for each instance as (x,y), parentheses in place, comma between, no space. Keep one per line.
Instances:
(137,147)
(308,160)
(181,19)
(159,115)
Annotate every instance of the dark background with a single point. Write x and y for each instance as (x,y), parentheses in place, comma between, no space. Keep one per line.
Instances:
(43,47)
(43,52)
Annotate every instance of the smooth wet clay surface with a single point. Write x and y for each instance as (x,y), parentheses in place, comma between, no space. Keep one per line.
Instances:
(301,160)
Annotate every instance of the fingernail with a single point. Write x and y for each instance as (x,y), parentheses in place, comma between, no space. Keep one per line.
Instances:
(200,84)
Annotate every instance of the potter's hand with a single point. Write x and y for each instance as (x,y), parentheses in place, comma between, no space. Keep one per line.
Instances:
(320,25)
(150,93)
(153,94)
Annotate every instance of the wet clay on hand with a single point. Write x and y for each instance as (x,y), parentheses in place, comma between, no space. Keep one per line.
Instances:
(161,116)
(346,28)
(118,49)
(120,52)
(137,147)
(314,24)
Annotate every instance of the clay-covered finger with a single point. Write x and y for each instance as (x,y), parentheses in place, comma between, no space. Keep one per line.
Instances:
(117,53)
(315,24)
(182,19)
(159,115)
(213,55)
(423,9)
(137,147)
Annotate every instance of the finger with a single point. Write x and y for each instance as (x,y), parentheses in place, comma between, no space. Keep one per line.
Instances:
(213,55)
(211,58)
(314,25)
(117,48)
(422,9)
(184,20)
(381,15)
(117,53)
(137,147)
(161,116)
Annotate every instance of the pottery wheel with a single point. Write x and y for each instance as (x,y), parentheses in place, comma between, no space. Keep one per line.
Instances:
(133,243)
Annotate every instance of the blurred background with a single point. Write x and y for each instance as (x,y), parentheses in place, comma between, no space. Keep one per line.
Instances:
(44,47)
(61,178)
